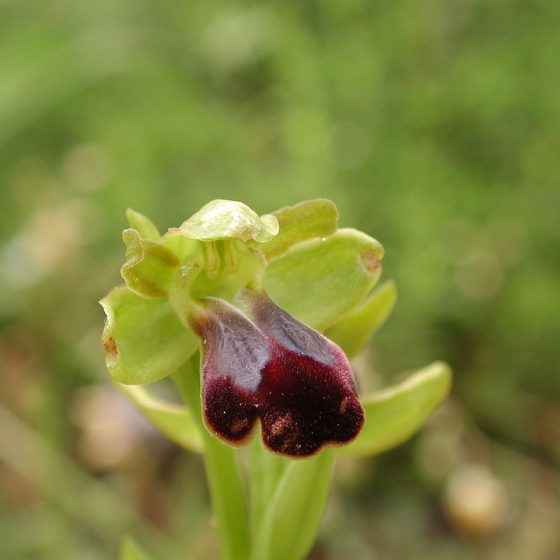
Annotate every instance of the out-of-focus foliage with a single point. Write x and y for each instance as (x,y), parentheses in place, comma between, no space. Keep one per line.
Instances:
(432,125)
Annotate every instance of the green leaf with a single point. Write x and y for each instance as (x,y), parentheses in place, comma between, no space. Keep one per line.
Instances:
(174,421)
(306,220)
(354,330)
(320,280)
(150,267)
(295,511)
(143,339)
(229,219)
(131,550)
(143,225)
(395,414)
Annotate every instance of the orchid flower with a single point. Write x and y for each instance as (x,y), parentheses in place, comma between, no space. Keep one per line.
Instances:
(255,319)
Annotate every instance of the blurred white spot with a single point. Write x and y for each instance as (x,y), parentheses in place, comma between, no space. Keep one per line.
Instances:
(111,429)
(475,500)
(46,241)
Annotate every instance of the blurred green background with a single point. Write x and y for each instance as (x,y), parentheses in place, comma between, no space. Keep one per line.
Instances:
(433,125)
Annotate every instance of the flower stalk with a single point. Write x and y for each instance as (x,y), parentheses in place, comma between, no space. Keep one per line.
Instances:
(222,471)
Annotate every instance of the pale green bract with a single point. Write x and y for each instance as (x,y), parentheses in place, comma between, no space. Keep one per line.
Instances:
(172,420)
(395,414)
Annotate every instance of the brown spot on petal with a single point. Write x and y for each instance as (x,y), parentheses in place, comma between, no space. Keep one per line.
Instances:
(281,425)
(238,426)
(111,347)
(370,260)
(344,404)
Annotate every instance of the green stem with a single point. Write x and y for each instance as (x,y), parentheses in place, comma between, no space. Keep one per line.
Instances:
(294,512)
(222,470)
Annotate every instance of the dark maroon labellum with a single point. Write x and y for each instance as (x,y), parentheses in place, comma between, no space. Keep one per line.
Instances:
(273,368)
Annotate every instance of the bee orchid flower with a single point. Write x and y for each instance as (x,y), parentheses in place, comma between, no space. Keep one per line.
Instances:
(226,305)
(263,364)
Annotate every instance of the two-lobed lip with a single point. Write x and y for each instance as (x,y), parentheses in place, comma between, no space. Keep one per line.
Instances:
(260,363)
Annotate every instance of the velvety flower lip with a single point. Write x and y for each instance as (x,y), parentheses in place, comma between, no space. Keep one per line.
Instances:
(265,365)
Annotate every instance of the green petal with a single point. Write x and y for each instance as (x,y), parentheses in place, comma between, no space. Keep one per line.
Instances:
(143,339)
(143,225)
(320,280)
(150,267)
(395,414)
(295,511)
(131,550)
(306,220)
(174,421)
(354,330)
(229,219)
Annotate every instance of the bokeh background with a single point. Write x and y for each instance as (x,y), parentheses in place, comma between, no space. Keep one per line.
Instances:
(433,125)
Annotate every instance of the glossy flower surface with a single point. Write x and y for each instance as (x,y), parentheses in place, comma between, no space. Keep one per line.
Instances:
(262,364)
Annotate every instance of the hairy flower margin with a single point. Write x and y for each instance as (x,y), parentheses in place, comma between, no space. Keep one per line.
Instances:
(252,293)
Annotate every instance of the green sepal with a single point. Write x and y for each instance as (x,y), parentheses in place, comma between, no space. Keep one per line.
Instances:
(143,338)
(131,550)
(143,225)
(396,413)
(353,331)
(229,219)
(303,221)
(172,420)
(294,513)
(320,280)
(150,267)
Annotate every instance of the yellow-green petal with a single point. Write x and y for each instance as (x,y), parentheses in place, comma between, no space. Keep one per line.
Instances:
(320,280)
(306,220)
